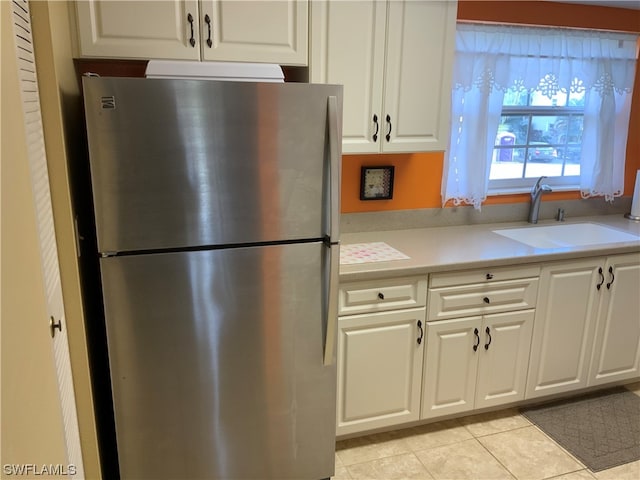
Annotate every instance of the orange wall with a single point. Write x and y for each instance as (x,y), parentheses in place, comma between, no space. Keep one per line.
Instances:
(418,176)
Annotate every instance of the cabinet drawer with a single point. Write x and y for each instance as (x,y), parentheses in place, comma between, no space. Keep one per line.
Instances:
(482,298)
(485,275)
(381,295)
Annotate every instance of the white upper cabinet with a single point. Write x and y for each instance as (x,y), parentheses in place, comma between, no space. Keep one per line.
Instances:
(255,31)
(270,31)
(138,29)
(394,59)
(418,71)
(347,47)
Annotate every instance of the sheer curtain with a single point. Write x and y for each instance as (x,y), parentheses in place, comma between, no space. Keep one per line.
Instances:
(492,59)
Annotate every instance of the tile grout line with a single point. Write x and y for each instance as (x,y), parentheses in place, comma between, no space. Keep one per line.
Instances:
(409,449)
(584,467)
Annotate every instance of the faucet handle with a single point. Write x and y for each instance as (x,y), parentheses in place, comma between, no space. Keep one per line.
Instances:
(536,187)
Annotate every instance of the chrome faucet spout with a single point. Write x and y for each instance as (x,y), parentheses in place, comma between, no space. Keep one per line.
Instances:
(536,194)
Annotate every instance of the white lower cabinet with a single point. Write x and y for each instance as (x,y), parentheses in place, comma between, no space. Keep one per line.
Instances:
(380,352)
(479,325)
(491,337)
(450,366)
(504,358)
(379,369)
(476,362)
(587,327)
(564,325)
(616,348)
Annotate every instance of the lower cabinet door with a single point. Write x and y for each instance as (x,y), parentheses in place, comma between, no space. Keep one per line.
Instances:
(379,369)
(564,327)
(503,358)
(616,349)
(451,364)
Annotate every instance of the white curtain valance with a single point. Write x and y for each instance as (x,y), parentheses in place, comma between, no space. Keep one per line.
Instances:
(544,59)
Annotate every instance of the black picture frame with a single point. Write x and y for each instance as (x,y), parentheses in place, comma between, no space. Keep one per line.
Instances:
(376,183)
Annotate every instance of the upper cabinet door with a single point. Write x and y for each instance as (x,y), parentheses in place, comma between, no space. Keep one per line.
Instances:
(347,47)
(139,29)
(270,31)
(417,84)
(394,59)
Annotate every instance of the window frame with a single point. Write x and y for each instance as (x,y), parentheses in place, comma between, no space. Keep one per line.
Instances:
(524,184)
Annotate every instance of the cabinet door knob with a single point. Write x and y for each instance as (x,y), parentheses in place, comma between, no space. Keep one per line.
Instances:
(421,332)
(375,121)
(488,332)
(381,295)
(192,40)
(476,332)
(486,300)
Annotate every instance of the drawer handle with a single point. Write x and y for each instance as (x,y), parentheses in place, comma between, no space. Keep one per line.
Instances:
(421,332)
(488,332)
(489,276)
(601,278)
(486,300)
(613,278)
(381,295)
(476,332)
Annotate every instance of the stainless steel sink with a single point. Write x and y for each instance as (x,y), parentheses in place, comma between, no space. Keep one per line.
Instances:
(567,235)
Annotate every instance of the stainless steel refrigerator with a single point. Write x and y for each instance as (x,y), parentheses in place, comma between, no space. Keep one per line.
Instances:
(216,209)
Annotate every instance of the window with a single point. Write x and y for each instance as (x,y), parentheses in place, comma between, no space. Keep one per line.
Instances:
(538,136)
(529,102)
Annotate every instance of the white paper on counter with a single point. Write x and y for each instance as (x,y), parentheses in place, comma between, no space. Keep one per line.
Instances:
(369,252)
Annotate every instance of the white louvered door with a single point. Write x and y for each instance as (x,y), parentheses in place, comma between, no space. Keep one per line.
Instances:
(31,115)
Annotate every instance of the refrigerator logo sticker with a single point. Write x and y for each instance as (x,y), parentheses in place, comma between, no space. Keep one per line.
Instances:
(108,102)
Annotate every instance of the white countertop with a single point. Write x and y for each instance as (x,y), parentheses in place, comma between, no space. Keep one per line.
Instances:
(472,246)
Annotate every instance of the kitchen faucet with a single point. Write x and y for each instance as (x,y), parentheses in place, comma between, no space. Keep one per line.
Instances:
(536,194)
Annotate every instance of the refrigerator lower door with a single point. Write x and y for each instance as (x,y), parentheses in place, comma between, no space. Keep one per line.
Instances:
(217,365)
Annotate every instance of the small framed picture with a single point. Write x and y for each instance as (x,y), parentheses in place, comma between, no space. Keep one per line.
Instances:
(376,183)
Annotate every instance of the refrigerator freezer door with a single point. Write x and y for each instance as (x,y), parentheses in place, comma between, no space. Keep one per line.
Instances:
(217,363)
(184,163)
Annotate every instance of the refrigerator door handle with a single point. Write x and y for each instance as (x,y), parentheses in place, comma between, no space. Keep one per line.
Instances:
(332,305)
(334,168)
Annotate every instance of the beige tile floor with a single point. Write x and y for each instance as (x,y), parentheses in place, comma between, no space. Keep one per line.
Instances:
(496,445)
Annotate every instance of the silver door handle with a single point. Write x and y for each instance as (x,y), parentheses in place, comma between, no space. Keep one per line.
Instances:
(332,305)
(334,165)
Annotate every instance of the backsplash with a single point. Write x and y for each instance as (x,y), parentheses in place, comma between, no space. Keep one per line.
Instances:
(442,217)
